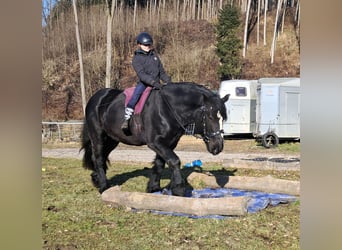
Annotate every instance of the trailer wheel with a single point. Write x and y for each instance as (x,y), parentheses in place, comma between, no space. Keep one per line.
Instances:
(270,140)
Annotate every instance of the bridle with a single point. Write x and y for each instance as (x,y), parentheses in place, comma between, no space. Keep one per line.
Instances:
(205,136)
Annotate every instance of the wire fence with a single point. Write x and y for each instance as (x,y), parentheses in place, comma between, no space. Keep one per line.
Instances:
(61,131)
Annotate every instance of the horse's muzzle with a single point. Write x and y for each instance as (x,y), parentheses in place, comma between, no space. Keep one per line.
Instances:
(215,145)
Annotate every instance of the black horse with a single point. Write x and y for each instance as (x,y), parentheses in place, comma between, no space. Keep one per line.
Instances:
(164,119)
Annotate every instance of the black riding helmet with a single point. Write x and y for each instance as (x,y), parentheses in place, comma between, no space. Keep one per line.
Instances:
(144,38)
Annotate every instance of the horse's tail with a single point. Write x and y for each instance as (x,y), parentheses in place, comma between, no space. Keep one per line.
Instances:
(86,146)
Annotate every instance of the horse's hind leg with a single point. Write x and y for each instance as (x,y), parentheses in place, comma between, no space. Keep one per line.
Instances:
(154,182)
(98,176)
(101,149)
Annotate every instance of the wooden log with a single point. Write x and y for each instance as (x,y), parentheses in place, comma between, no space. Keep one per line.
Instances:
(176,204)
(265,184)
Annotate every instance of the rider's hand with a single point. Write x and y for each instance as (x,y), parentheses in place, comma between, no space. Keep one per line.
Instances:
(157,85)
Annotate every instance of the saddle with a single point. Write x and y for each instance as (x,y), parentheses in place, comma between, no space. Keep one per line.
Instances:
(140,104)
(135,123)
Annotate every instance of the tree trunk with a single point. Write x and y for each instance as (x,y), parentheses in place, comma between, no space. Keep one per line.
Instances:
(202,10)
(298,19)
(80,57)
(275,31)
(292,3)
(296,16)
(135,14)
(283,17)
(198,9)
(193,15)
(246,29)
(110,10)
(258,24)
(265,21)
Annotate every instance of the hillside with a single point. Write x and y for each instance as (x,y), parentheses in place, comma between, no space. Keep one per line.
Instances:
(187,50)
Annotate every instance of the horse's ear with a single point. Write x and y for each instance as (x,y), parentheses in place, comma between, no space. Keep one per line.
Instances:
(225,98)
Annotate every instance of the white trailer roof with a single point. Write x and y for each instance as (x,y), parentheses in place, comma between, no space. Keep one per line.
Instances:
(290,81)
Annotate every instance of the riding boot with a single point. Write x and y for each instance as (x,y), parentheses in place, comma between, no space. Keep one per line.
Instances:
(125,125)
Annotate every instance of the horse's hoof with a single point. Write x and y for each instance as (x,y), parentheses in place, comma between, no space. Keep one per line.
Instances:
(104,188)
(154,189)
(178,191)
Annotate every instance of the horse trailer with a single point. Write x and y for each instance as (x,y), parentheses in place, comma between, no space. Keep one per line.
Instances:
(277,110)
(241,106)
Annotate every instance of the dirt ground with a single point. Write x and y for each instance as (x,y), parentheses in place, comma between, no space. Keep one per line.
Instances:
(231,146)
(244,153)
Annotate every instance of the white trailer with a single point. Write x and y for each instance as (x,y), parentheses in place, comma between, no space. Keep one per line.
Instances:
(277,110)
(241,106)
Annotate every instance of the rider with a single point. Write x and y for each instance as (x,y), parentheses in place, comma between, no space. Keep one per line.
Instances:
(149,69)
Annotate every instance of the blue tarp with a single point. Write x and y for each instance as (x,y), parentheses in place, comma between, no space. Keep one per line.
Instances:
(258,201)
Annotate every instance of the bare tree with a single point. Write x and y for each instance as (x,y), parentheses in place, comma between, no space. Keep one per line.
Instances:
(258,24)
(283,17)
(193,15)
(265,20)
(135,14)
(297,19)
(80,57)
(110,10)
(275,32)
(246,29)
(296,16)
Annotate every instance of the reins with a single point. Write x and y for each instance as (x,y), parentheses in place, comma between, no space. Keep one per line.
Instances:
(172,111)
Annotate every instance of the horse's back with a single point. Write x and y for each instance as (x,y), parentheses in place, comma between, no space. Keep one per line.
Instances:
(98,104)
(103,96)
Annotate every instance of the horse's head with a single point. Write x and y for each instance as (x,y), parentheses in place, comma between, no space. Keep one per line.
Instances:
(198,111)
(213,115)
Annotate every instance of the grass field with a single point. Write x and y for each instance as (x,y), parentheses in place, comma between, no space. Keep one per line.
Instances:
(74,216)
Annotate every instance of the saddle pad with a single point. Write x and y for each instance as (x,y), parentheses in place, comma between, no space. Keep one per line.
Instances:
(140,104)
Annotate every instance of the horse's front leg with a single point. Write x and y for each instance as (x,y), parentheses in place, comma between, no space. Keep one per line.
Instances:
(157,169)
(177,184)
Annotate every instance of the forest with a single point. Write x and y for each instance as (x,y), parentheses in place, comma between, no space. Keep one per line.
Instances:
(185,37)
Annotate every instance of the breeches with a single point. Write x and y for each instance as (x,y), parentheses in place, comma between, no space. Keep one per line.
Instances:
(139,89)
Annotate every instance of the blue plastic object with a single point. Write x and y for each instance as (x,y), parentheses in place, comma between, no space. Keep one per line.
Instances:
(195,163)
(258,200)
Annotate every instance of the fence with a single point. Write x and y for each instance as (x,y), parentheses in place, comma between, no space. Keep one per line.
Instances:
(61,131)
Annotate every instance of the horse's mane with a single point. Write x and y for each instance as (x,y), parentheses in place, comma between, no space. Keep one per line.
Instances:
(192,85)
(213,97)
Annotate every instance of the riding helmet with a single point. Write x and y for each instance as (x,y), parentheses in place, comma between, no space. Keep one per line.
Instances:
(144,38)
